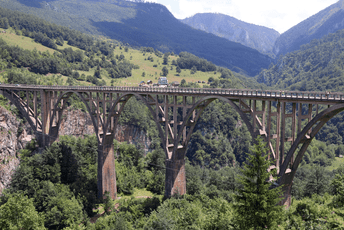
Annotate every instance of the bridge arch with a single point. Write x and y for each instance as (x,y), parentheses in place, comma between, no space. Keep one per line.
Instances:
(53,131)
(207,100)
(21,104)
(304,138)
(175,164)
(124,98)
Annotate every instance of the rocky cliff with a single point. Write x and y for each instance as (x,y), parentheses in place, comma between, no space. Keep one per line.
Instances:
(9,160)
(75,122)
(78,123)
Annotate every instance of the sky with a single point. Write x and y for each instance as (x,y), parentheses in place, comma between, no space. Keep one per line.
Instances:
(280,15)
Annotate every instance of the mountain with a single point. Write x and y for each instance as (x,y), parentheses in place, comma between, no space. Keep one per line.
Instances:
(326,21)
(257,37)
(144,24)
(317,66)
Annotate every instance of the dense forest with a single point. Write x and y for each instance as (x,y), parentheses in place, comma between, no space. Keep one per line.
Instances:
(57,187)
(57,190)
(317,66)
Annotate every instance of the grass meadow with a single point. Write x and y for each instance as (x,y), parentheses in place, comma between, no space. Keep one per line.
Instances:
(148,70)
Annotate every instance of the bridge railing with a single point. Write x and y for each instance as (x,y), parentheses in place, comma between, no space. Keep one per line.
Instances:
(310,95)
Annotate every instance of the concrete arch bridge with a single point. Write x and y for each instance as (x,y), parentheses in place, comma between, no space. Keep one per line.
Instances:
(175,112)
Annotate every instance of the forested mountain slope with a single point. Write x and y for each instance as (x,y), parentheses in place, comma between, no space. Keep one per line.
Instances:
(257,37)
(144,24)
(326,21)
(317,66)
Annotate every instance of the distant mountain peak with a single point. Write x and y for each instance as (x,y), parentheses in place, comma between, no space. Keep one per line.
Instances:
(327,21)
(257,37)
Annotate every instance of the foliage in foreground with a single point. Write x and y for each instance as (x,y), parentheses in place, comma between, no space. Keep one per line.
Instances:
(256,203)
(19,213)
(57,190)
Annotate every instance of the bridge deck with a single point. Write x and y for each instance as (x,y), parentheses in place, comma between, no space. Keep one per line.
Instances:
(253,94)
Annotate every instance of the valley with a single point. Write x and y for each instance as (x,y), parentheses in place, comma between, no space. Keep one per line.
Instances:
(120,43)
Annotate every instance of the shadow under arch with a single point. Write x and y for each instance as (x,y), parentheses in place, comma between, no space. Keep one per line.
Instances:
(312,128)
(53,131)
(127,96)
(20,104)
(208,100)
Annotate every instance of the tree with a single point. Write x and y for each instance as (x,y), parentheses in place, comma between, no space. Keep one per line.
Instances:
(183,83)
(165,62)
(164,71)
(178,70)
(256,203)
(5,23)
(226,73)
(318,181)
(193,70)
(97,73)
(19,213)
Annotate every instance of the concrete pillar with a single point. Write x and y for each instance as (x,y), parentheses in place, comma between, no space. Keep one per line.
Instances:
(286,185)
(175,181)
(286,195)
(44,140)
(106,168)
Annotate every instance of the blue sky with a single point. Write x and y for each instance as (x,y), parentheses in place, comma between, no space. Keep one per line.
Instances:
(280,15)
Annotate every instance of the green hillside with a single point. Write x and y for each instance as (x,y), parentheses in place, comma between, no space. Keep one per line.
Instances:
(148,65)
(317,66)
(144,24)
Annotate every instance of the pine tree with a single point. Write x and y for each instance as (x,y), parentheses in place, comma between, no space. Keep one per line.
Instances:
(256,205)
(164,71)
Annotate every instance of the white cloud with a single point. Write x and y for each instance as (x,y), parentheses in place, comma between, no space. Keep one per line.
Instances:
(278,14)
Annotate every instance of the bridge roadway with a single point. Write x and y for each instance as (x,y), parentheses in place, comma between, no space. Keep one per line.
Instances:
(271,114)
(315,97)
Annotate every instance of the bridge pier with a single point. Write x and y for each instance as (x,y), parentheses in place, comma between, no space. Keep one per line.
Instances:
(175,181)
(106,168)
(286,184)
(286,195)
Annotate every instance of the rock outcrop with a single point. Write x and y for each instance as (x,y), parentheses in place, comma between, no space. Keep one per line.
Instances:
(76,123)
(9,160)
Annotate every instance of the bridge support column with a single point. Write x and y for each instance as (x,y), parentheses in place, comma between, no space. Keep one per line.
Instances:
(175,182)
(106,168)
(286,184)
(286,195)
